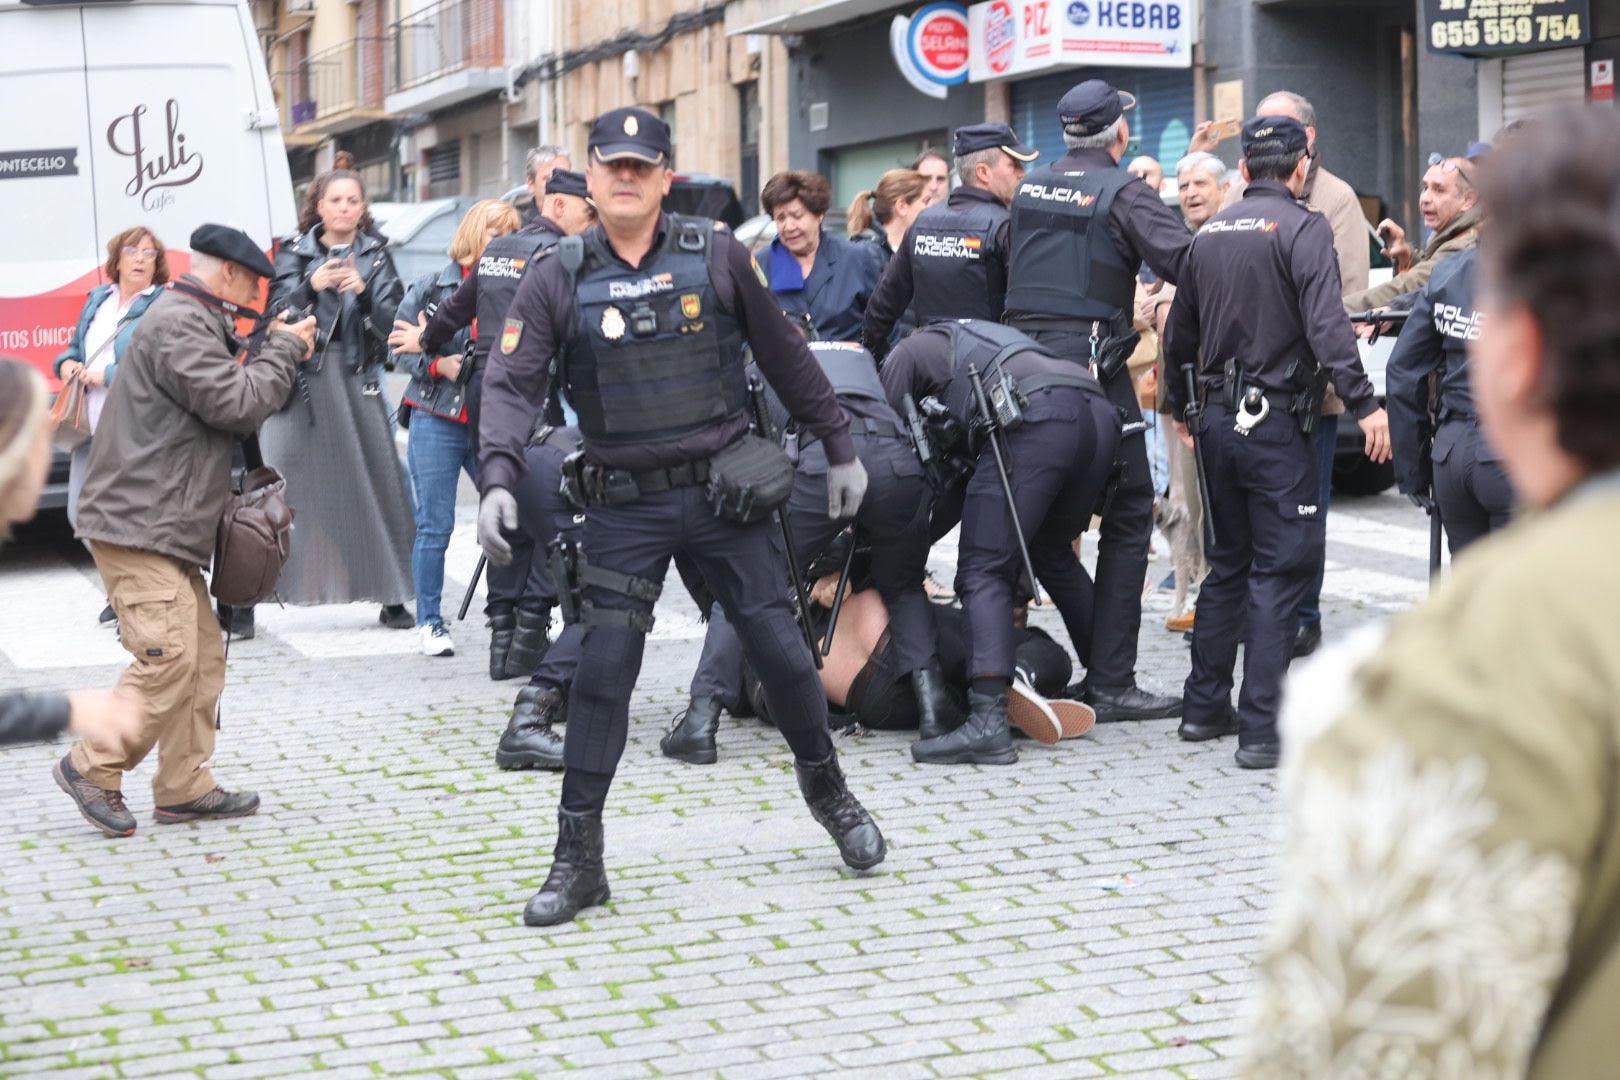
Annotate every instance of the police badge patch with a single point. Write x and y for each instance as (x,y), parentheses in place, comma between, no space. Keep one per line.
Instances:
(691,305)
(511,334)
(612,323)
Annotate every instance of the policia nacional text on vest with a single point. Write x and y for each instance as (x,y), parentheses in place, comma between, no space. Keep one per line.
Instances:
(953,273)
(499,270)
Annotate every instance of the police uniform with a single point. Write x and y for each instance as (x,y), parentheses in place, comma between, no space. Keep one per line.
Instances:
(1081,227)
(1469,485)
(1260,295)
(1060,457)
(952,263)
(519,622)
(651,358)
(893,520)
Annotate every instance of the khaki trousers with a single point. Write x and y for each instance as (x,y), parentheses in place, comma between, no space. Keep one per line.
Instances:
(166,622)
(1182,518)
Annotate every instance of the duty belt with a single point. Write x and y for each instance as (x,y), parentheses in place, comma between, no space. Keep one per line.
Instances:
(685,474)
(587,484)
(860,425)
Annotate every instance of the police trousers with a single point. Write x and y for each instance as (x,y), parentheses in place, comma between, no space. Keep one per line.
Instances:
(543,515)
(1122,540)
(1269,536)
(1470,486)
(745,573)
(1060,459)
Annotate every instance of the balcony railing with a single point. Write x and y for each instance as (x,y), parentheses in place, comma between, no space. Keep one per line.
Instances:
(332,83)
(448,37)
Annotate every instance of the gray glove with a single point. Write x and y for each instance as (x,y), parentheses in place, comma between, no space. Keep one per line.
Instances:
(846,487)
(497,513)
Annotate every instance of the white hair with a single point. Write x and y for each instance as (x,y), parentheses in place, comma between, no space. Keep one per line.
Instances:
(1203,159)
(542,155)
(1304,111)
(967,165)
(205,266)
(1102,140)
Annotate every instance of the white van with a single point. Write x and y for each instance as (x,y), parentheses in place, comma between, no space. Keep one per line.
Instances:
(121,113)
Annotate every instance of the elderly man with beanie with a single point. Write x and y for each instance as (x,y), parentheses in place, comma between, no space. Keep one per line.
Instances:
(159,478)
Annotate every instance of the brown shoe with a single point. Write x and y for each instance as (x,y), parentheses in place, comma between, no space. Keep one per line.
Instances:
(1180,624)
(1077,717)
(218,803)
(1030,713)
(102,807)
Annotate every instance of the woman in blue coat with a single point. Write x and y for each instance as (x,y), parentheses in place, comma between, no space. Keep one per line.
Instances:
(824,280)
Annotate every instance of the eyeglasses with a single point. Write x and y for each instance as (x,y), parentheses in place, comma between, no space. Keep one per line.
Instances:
(1461,166)
(146,253)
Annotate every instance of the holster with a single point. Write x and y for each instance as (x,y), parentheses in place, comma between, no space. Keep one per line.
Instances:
(571,574)
(585,483)
(1114,352)
(1307,408)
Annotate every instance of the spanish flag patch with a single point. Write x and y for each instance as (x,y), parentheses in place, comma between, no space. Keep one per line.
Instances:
(511,334)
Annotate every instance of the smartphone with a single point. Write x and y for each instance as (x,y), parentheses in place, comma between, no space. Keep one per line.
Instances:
(1222,130)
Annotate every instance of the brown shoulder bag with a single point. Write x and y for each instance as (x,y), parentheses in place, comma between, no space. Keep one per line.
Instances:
(255,535)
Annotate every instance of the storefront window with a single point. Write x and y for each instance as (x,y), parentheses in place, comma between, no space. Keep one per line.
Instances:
(1161,124)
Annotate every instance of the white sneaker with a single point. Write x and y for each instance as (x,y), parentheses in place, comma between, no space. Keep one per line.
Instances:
(1032,714)
(436,640)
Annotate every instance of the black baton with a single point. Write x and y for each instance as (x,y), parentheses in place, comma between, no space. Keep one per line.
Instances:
(1190,416)
(989,419)
(466,601)
(762,421)
(838,597)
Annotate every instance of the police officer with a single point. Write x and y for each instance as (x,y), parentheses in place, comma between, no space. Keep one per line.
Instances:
(893,520)
(1258,318)
(1468,483)
(1081,227)
(519,621)
(645,316)
(952,263)
(1060,453)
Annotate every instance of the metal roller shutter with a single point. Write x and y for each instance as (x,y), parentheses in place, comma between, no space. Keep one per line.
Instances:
(1536,82)
(1161,124)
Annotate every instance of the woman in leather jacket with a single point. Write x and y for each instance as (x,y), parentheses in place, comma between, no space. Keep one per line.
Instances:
(333,441)
(434,409)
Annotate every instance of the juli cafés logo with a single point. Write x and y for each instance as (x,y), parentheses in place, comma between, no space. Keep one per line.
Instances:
(158,165)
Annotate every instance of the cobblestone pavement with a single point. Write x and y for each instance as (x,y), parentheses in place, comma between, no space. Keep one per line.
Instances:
(1091,911)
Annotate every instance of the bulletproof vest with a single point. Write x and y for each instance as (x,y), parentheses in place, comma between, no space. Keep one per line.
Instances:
(987,346)
(1063,262)
(500,269)
(953,273)
(652,357)
(850,369)
(1451,298)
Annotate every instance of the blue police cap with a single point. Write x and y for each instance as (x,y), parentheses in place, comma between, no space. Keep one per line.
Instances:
(1092,106)
(975,137)
(567,182)
(629,133)
(1274,136)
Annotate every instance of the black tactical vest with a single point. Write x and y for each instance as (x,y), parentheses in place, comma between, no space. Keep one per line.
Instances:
(987,346)
(500,268)
(850,369)
(1063,261)
(954,273)
(1458,321)
(652,358)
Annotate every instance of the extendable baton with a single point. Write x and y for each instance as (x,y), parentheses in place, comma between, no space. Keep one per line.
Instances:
(983,403)
(762,421)
(466,601)
(1190,416)
(838,596)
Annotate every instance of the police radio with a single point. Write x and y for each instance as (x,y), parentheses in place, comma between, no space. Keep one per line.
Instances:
(1006,403)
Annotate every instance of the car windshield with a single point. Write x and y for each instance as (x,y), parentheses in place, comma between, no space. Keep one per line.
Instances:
(401,221)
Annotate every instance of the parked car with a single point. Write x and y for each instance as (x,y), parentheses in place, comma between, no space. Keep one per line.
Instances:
(419,233)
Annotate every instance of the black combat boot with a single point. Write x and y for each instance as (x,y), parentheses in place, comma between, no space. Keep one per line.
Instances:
(937,712)
(502,624)
(983,740)
(531,637)
(840,813)
(691,736)
(578,879)
(529,741)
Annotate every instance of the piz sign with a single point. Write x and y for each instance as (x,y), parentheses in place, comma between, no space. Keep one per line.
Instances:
(1492,27)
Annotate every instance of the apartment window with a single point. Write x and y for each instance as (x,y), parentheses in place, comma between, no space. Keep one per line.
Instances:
(748,167)
(444,170)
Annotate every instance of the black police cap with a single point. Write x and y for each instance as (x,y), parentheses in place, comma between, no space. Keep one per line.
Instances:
(629,133)
(567,182)
(1092,106)
(1274,136)
(232,245)
(975,137)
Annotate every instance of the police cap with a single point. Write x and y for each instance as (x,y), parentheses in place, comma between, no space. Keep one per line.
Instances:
(629,133)
(1093,105)
(1274,136)
(567,182)
(232,245)
(975,137)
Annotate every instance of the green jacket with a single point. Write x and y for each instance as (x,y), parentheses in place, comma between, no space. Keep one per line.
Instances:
(1450,902)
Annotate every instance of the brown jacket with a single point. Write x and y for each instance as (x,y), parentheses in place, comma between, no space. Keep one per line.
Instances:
(160,464)
(1460,235)
(1335,200)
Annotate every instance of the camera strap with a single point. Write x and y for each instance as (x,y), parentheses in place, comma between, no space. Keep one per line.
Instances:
(219,303)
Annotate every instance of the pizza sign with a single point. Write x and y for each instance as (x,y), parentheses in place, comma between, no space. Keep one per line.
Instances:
(931,47)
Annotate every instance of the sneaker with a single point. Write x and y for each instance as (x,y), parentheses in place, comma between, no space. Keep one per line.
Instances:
(218,803)
(1180,624)
(108,617)
(1030,713)
(102,807)
(937,592)
(436,640)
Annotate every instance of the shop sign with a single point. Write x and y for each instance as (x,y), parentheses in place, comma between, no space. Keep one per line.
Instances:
(1496,27)
(931,47)
(1013,37)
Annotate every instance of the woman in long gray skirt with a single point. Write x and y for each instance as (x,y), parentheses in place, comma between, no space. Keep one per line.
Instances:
(333,440)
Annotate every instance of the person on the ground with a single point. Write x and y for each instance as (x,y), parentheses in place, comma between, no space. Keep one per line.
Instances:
(334,442)
(433,410)
(160,475)
(1260,291)
(644,290)
(936,170)
(1072,288)
(515,607)
(106,719)
(1059,455)
(882,215)
(819,278)
(952,263)
(1450,208)
(1450,875)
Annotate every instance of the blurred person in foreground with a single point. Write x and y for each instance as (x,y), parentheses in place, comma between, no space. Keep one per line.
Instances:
(106,718)
(1451,876)
(160,475)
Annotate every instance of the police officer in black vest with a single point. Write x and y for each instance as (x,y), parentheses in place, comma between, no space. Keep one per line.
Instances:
(646,316)
(893,520)
(1081,227)
(1059,452)
(519,620)
(1468,482)
(952,263)
(1258,317)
